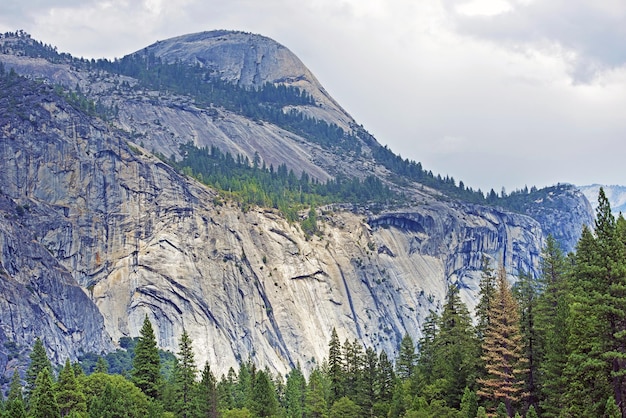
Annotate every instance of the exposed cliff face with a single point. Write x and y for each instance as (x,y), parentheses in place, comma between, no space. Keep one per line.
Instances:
(562,213)
(124,236)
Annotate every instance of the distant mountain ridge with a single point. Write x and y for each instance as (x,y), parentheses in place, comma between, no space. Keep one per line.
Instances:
(616,195)
(86,182)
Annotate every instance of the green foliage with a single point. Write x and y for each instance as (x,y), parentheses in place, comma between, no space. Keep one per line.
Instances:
(146,372)
(263,402)
(454,352)
(38,362)
(406,358)
(207,396)
(345,408)
(317,395)
(552,329)
(114,396)
(70,397)
(184,385)
(335,367)
(280,189)
(295,392)
(469,404)
(43,403)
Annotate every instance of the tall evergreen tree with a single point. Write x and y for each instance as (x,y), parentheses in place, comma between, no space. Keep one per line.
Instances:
(14,405)
(43,403)
(317,395)
(207,394)
(146,373)
(353,358)
(527,292)
(243,385)
(586,371)
(425,363)
(70,397)
(598,317)
(335,367)
(263,402)
(367,386)
(406,361)
(502,349)
(38,361)
(15,388)
(295,392)
(552,329)
(226,390)
(486,293)
(456,350)
(386,378)
(185,378)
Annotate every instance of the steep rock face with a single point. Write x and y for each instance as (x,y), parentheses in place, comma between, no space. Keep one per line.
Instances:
(39,297)
(562,214)
(141,240)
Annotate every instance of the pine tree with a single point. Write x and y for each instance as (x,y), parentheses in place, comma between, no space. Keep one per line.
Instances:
(43,403)
(527,292)
(14,406)
(15,388)
(586,370)
(353,360)
(598,317)
(226,390)
(243,385)
(405,363)
(101,365)
(386,378)
(185,378)
(456,350)
(469,404)
(335,367)
(502,349)
(207,394)
(487,291)
(146,373)
(316,401)
(38,361)
(367,385)
(263,402)
(552,329)
(295,392)
(69,396)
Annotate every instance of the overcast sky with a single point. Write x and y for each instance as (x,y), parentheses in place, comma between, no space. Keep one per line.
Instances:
(492,92)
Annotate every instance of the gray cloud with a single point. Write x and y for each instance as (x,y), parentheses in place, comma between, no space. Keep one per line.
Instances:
(593,33)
